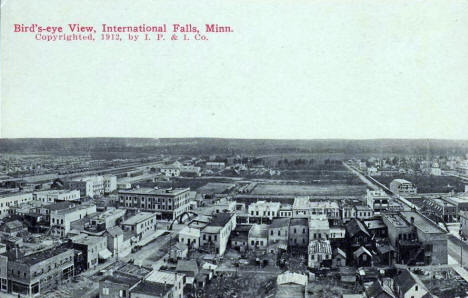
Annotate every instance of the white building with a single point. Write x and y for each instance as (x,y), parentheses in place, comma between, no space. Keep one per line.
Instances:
(60,220)
(258,237)
(170,171)
(402,187)
(319,251)
(13,200)
(110,183)
(92,186)
(52,196)
(216,233)
(264,209)
(377,200)
(141,224)
(319,229)
(190,236)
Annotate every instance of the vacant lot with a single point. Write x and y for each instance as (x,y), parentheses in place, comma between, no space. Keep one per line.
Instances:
(310,190)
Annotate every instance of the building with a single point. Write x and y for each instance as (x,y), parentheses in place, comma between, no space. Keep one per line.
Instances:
(61,219)
(278,231)
(363,212)
(330,209)
(141,224)
(357,234)
(41,272)
(171,203)
(115,242)
(441,208)
(299,232)
(170,171)
(212,165)
(362,257)
(460,202)
(215,235)
(416,238)
(432,237)
(408,285)
(10,200)
(402,187)
(300,208)
(92,186)
(377,200)
(93,249)
(105,220)
(110,183)
(52,196)
(263,209)
(258,237)
(319,229)
(176,282)
(319,251)
(190,236)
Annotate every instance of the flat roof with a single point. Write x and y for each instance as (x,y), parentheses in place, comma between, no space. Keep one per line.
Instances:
(421,222)
(396,220)
(154,191)
(139,217)
(316,223)
(42,256)
(220,219)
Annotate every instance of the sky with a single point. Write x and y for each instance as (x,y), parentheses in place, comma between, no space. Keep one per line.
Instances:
(292,69)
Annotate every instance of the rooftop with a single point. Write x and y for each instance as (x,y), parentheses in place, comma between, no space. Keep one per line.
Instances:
(153,191)
(280,223)
(43,255)
(396,220)
(220,219)
(162,277)
(139,217)
(258,231)
(320,224)
(301,203)
(421,223)
(298,222)
(152,288)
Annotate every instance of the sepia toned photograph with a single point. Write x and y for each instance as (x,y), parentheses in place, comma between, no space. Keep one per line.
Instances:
(188,149)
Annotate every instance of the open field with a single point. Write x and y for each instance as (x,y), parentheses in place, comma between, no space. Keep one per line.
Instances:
(310,190)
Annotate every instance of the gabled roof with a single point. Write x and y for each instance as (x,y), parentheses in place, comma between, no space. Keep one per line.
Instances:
(406,280)
(355,226)
(360,251)
(376,290)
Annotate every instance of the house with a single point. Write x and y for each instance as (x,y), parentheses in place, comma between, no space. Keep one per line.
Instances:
(240,238)
(38,273)
(178,251)
(291,284)
(357,234)
(93,249)
(408,285)
(362,257)
(258,236)
(141,224)
(298,232)
(376,227)
(377,290)
(189,268)
(338,258)
(402,187)
(115,242)
(318,251)
(319,228)
(363,212)
(190,236)
(278,231)
(216,233)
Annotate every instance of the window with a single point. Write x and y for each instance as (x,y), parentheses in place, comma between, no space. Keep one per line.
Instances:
(416,288)
(105,291)
(271,233)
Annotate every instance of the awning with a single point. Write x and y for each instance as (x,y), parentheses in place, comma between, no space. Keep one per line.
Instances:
(104,254)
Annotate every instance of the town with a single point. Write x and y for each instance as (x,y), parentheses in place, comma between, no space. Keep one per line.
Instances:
(181,224)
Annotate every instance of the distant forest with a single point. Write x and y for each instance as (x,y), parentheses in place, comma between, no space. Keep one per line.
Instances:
(135,147)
